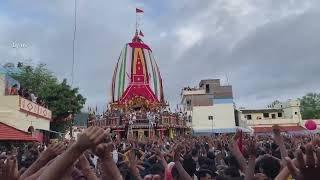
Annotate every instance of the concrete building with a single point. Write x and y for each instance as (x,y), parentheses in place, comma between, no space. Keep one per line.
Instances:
(19,113)
(285,114)
(209,108)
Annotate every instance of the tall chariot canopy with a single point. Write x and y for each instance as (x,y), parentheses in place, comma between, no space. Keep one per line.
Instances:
(136,76)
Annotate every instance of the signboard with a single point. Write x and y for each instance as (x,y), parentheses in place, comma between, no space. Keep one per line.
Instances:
(34,108)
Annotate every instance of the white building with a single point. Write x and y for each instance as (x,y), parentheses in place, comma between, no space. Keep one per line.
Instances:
(209,108)
(285,114)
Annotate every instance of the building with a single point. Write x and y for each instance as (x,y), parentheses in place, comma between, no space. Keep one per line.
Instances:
(138,107)
(285,114)
(209,108)
(18,114)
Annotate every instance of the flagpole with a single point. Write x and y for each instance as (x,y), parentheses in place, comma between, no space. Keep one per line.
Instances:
(136,22)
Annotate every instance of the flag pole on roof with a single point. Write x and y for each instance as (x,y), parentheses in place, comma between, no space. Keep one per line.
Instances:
(138,11)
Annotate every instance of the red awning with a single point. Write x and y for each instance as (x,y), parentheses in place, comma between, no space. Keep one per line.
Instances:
(8,133)
(282,128)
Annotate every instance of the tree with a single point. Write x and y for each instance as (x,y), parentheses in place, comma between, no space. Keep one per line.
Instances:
(310,106)
(61,98)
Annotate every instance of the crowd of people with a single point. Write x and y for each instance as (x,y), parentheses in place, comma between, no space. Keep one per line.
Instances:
(95,154)
(25,93)
(30,95)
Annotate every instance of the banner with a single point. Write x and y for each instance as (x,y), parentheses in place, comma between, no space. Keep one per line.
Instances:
(34,108)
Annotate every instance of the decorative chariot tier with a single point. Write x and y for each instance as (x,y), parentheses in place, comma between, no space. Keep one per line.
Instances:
(137,107)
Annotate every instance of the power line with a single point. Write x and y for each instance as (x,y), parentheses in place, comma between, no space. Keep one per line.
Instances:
(74,40)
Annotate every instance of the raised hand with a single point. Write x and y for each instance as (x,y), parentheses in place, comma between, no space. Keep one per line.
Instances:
(9,170)
(279,140)
(177,153)
(237,135)
(109,167)
(50,153)
(103,151)
(91,137)
(160,157)
(53,150)
(133,164)
(83,163)
(176,157)
(307,165)
(235,150)
(276,133)
(252,147)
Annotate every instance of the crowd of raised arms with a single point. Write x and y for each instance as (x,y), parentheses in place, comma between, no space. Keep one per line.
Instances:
(97,155)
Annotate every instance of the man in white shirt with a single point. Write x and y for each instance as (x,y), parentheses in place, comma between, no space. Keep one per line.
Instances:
(33,97)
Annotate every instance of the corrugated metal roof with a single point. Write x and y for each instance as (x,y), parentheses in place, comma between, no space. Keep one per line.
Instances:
(8,133)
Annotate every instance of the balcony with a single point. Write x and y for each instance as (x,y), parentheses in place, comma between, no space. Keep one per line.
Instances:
(33,108)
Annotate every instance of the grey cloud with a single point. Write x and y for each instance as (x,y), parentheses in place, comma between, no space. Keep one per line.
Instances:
(269,53)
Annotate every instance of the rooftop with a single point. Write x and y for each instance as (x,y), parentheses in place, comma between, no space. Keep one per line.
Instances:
(268,110)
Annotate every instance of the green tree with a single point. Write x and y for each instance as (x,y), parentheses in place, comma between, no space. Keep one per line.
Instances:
(61,98)
(310,106)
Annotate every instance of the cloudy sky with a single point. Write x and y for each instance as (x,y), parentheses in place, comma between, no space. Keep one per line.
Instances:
(267,49)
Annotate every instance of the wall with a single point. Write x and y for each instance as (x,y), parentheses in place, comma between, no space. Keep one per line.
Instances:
(197,100)
(223,115)
(256,116)
(289,108)
(10,114)
(201,100)
(193,92)
(223,101)
(290,112)
(222,92)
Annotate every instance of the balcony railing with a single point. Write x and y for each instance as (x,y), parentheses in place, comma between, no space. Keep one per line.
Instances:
(33,108)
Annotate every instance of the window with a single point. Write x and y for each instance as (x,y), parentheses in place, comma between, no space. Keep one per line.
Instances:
(279,114)
(188,102)
(273,116)
(210,117)
(207,88)
(266,115)
(295,113)
(249,117)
